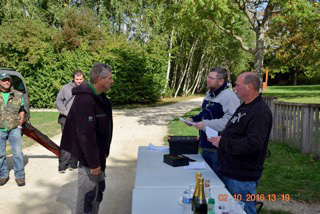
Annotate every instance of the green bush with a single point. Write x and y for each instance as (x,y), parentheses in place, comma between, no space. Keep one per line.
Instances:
(47,56)
(139,77)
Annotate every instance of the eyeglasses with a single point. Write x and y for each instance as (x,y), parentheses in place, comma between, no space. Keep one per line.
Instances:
(212,78)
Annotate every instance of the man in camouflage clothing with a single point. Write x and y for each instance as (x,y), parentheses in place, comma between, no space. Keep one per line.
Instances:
(11,121)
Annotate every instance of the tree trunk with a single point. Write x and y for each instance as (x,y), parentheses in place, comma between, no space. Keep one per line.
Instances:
(295,75)
(198,75)
(174,75)
(258,54)
(169,62)
(187,66)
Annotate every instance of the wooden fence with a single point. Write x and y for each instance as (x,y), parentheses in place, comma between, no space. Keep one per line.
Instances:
(296,124)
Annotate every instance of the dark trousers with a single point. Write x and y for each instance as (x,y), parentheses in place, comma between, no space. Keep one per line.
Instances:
(66,159)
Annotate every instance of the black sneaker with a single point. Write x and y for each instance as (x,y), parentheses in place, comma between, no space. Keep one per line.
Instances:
(62,171)
(3,181)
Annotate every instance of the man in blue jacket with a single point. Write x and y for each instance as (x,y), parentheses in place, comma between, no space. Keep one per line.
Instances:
(217,108)
(243,143)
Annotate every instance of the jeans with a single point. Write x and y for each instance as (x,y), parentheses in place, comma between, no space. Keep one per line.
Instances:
(247,190)
(14,136)
(211,157)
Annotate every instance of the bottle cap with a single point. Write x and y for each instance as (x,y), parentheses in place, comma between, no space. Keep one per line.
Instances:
(211,201)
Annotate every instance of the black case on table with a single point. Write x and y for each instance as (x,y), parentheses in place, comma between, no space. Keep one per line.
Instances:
(183,144)
(175,160)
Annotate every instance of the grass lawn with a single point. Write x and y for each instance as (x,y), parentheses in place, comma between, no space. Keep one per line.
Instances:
(46,122)
(286,171)
(299,94)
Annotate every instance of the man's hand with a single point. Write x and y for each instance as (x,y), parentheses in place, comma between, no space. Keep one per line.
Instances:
(198,125)
(215,141)
(95,171)
(190,120)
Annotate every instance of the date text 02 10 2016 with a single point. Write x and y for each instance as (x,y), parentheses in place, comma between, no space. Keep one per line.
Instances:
(258,197)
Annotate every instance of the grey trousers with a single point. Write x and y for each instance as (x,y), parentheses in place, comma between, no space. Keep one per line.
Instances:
(90,191)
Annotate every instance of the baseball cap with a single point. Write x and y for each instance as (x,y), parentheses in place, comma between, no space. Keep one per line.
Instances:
(5,76)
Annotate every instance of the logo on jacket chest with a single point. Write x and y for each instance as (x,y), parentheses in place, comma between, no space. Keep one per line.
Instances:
(90,119)
(236,118)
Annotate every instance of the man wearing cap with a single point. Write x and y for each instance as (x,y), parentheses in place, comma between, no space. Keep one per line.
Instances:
(64,102)
(11,121)
(87,135)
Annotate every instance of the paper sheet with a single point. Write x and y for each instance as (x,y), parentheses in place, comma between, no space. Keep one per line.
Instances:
(195,166)
(186,121)
(211,132)
(158,148)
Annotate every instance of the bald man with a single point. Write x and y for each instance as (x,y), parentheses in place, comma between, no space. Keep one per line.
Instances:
(243,143)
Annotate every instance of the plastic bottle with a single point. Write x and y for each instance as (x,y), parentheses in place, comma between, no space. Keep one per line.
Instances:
(187,199)
(211,206)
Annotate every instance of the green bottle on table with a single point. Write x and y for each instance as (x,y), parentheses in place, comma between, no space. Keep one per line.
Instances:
(196,191)
(211,207)
(201,206)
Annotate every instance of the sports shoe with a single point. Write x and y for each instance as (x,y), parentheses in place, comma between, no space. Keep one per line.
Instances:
(20,182)
(3,181)
(62,171)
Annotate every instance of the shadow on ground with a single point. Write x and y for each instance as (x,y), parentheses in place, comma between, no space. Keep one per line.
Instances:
(62,198)
(156,115)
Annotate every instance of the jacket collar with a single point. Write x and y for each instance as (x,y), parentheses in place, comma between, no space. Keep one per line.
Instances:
(221,88)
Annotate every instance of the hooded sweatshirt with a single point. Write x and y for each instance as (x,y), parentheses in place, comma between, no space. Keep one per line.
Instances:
(88,129)
(65,98)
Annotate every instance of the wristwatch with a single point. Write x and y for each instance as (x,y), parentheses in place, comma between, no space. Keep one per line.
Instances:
(19,127)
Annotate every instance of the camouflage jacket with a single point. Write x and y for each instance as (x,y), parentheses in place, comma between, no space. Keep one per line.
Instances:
(9,115)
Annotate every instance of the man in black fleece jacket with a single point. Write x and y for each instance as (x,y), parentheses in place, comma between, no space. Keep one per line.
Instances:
(244,141)
(87,135)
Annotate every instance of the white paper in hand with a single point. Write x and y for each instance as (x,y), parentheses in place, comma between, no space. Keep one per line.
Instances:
(211,132)
(186,121)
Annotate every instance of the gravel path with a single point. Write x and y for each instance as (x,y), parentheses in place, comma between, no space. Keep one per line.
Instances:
(49,192)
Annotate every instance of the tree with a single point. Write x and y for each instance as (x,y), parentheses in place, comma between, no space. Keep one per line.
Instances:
(295,45)
(234,16)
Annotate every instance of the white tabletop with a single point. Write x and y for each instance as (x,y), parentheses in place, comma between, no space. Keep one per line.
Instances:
(153,172)
(166,200)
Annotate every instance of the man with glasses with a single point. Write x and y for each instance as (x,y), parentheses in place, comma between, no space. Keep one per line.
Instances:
(11,121)
(243,143)
(64,102)
(218,106)
(87,135)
